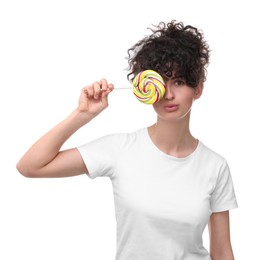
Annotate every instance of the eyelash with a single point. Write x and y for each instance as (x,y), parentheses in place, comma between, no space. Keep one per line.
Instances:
(179,82)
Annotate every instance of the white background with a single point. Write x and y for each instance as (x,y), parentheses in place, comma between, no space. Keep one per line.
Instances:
(49,50)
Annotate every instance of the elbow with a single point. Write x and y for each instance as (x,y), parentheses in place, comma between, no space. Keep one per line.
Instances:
(25,170)
(225,255)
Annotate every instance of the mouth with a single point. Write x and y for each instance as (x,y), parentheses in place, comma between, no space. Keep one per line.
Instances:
(171,107)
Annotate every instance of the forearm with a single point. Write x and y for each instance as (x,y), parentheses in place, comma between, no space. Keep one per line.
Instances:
(221,250)
(226,256)
(219,231)
(48,146)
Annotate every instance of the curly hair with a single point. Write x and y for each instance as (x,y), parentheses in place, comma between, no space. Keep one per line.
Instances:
(174,51)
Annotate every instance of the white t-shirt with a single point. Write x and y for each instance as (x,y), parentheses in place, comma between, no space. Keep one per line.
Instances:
(162,203)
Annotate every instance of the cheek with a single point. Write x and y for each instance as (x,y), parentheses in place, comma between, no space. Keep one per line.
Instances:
(159,107)
(156,107)
(186,96)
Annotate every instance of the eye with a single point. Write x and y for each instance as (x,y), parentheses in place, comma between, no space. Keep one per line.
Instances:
(179,82)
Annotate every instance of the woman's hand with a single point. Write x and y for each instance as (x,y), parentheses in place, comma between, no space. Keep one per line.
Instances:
(94,98)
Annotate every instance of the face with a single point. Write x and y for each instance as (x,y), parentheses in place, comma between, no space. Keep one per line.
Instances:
(177,101)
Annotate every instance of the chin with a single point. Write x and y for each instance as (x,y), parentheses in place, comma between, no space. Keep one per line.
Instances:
(177,116)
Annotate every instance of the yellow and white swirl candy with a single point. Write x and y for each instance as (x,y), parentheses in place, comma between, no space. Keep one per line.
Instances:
(149,86)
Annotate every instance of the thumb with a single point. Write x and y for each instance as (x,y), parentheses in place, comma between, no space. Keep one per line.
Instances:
(105,93)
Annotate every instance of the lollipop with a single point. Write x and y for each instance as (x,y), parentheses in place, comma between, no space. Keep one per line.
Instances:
(149,87)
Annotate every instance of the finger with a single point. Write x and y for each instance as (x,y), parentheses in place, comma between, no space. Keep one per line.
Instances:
(97,90)
(105,94)
(108,90)
(83,95)
(84,92)
(104,84)
(110,87)
(90,91)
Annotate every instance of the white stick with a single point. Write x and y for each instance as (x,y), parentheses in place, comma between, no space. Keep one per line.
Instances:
(124,88)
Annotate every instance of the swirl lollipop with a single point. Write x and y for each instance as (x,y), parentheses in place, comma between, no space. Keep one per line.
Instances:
(149,87)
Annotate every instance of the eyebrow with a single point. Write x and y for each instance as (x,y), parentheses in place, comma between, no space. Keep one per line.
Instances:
(174,78)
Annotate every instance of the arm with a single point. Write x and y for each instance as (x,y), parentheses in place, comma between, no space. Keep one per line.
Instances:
(44,158)
(219,231)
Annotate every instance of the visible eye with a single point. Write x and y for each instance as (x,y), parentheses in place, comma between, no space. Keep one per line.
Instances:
(179,82)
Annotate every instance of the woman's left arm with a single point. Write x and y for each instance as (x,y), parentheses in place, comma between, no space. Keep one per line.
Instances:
(219,231)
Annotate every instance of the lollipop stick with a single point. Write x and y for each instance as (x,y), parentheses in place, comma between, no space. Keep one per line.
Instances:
(124,88)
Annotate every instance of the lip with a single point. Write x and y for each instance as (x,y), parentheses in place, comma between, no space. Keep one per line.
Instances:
(171,107)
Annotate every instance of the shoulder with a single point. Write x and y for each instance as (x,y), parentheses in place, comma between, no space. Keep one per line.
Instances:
(116,140)
(126,136)
(211,156)
(129,139)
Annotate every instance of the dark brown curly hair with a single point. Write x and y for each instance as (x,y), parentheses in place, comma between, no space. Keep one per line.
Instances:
(174,51)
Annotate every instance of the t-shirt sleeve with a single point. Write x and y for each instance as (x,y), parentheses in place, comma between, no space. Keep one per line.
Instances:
(223,197)
(100,155)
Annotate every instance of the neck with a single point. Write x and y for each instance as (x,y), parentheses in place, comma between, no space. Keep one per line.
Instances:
(173,137)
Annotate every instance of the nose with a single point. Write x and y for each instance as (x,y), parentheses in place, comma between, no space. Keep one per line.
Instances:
(169,95)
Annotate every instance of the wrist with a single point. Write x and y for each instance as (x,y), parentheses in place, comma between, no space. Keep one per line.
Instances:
(81,117)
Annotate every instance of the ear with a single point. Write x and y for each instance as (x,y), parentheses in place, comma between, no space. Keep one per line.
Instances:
(198,90)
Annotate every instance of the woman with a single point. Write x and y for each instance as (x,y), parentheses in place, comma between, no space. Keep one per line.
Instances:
(167,184)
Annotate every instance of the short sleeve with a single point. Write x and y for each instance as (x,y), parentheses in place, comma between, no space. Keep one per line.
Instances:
(223,197)
(100,155)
